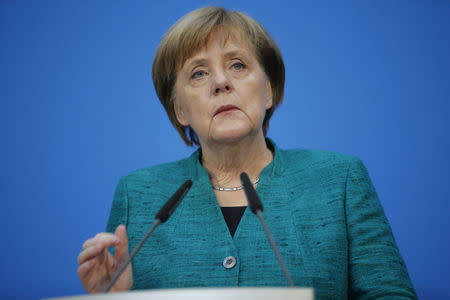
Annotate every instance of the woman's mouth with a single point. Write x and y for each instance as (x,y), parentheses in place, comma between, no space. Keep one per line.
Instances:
(224,109)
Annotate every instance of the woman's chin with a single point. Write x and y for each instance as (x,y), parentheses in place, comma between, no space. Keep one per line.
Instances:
(231,136)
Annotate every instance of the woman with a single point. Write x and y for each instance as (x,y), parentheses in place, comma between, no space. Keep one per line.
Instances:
(220,77)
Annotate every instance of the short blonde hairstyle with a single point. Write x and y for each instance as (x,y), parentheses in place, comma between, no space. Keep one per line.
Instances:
(191,33)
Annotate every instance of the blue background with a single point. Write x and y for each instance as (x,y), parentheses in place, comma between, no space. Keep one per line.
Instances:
(78,110)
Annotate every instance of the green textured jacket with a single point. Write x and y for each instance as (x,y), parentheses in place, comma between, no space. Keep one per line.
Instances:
(320,207)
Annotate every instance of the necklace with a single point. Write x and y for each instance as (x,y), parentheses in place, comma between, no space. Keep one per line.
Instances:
(233,189)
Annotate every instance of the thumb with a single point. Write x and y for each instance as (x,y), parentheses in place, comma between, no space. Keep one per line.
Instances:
(122,247)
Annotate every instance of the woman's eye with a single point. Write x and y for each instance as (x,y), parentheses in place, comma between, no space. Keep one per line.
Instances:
(238,66)
(198,74)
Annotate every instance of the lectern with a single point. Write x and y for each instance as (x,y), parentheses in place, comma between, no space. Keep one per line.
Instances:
(204,294)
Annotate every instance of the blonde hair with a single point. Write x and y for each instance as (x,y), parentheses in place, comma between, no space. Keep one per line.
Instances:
(190,34)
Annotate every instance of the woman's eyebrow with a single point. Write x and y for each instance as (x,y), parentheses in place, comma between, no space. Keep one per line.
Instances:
(203,61)
(196,62)
(234,53)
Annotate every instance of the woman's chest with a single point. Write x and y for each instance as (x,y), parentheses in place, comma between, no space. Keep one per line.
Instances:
(192,248)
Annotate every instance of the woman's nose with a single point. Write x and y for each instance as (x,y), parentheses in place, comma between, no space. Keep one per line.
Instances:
(221,84)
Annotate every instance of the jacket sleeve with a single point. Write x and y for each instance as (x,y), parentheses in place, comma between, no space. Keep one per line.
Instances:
(119,209)
(376,268)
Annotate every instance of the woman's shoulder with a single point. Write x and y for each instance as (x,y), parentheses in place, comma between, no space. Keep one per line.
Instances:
(164,172)
(314,159)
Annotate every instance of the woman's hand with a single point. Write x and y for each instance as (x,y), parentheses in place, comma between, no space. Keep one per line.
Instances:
(97,266)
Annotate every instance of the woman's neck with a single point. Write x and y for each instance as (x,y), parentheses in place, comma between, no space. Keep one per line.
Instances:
(225,162)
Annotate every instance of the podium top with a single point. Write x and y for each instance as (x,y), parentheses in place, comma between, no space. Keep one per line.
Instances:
(204,294)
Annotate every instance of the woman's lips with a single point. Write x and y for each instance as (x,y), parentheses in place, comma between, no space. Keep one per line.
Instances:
(224,108)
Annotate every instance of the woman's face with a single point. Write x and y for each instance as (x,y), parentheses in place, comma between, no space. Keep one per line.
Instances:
(222,92)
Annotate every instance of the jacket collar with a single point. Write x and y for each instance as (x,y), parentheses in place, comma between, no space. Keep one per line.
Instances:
(200,176)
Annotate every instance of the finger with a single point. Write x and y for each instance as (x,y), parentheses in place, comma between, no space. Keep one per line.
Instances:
(99,237)
(85,268)
(89,253)
(87,243)
(109,260)
(122,247)
(96,249)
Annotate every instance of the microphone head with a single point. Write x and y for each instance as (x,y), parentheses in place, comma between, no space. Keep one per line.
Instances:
(252,196)
(166,211)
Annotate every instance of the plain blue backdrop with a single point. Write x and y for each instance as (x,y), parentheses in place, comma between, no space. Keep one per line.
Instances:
(78,110)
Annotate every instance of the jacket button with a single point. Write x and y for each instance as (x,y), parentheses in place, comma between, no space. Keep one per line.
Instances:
(229,262)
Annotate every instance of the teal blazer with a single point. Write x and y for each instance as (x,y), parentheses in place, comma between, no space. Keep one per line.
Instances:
(320,207)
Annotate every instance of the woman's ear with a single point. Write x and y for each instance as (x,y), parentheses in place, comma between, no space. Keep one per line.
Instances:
(179,113)
(269,96)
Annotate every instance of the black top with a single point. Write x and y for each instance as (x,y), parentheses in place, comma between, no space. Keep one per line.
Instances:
(233,216)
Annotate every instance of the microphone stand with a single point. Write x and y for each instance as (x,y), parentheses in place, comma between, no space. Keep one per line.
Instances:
(257,208)
(164,213)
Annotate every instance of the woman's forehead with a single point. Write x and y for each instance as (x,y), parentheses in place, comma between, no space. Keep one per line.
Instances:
(231,38)
(227,35)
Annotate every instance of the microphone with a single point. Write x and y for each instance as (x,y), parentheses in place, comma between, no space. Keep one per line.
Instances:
(163,214)
(257,208)
(167,210)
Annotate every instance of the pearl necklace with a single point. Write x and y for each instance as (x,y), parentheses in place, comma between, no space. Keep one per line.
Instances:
(233,189)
